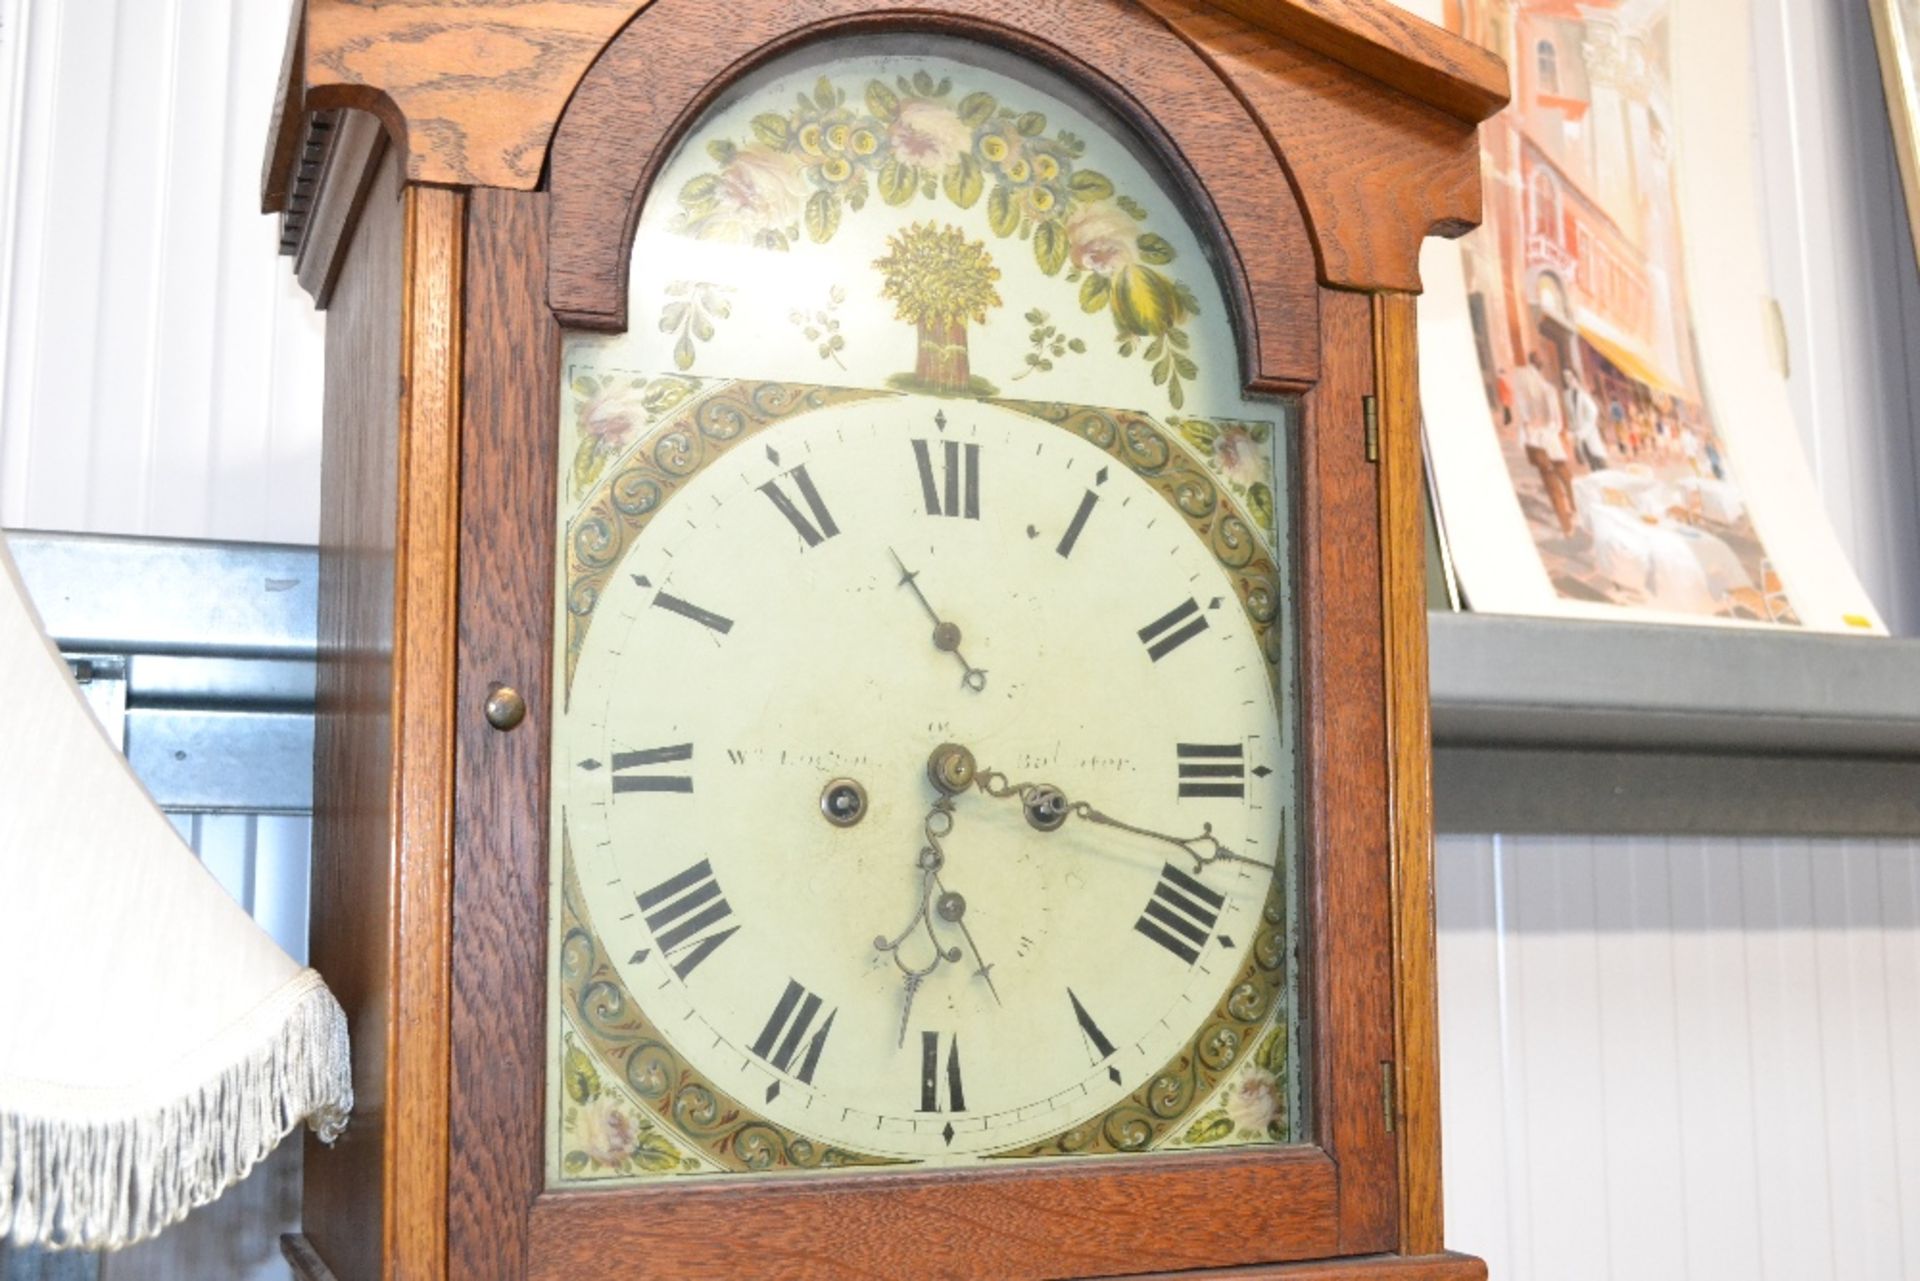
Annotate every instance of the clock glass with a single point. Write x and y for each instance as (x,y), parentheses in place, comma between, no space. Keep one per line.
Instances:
(924,741)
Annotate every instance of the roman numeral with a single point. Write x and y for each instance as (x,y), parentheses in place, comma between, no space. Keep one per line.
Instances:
(1173,629)
(780,1039)
(682,912)
(1078,523)
(1180,914)
(686,609)
(821,527)
(1096,1039)
(930,1075)
(651,782)
(951,497)
(1205,769)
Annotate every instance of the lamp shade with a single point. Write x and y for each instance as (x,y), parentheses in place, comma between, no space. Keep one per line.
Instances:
(155,1043)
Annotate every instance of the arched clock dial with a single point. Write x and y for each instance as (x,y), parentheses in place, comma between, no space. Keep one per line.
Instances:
(864,952)
(923,763)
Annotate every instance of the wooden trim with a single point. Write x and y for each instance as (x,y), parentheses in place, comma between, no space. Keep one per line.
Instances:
(1390,45)
(1343,742)
(355,148)
(1372,1267)
(305,1263)
(425,604)
(473,91)
(512,395)
(1089,1218)
(1403,584)
(287,122)
(657,77)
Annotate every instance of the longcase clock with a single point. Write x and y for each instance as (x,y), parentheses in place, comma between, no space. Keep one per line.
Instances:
(873,719)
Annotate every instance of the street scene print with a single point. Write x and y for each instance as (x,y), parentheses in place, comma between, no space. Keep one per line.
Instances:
(1583,327)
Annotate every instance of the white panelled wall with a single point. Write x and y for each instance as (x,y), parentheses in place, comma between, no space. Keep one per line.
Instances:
(159,368)
(1688,1058)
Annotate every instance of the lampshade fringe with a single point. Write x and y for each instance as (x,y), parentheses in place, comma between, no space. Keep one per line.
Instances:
(73,1174)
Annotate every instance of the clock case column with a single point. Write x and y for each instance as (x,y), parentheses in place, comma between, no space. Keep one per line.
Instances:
(445,297)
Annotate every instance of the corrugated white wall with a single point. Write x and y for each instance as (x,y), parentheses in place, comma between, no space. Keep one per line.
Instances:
(1693,1058)
(159,369)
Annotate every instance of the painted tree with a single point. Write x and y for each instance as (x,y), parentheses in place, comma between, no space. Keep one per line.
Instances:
(940,281)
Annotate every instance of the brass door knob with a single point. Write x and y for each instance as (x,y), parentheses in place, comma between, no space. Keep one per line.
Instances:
(505,707)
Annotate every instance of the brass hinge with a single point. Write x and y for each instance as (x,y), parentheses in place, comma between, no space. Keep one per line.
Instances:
(1386,1092)
(1370,408)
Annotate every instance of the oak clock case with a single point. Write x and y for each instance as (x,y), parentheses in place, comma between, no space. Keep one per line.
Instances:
(925,789)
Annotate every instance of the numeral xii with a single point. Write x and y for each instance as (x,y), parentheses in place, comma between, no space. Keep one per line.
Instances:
(958,491)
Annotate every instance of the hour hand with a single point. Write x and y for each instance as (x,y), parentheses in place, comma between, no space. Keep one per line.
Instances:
(946,634)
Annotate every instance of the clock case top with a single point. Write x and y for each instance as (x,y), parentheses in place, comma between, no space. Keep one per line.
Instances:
(1317,142)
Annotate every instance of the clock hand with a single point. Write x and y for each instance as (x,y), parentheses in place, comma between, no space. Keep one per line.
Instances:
(953,770)
(945,904)
(946,635)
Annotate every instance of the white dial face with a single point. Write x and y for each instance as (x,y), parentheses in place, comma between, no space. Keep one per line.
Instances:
(834,598)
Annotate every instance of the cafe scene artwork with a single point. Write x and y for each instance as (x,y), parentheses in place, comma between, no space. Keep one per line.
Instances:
(1582,324)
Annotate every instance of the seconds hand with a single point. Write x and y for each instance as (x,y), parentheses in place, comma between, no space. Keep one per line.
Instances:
(946,635)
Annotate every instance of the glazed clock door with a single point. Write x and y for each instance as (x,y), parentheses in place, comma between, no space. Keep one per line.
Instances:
(924,758)
(932,783)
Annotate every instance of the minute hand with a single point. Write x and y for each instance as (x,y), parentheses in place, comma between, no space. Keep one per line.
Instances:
(1202,849)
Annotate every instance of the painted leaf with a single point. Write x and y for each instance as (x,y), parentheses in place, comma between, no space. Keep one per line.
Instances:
(825,94)
(683,353)
(1031,124)
(1003,212)
(700,189)
(1210,1128)
(672,316)
(653,1152)
(588,463)
(771,129)
(1094,292)
(923,84)
(722,151)
(1132,208)
(583,1082)
(1050,247)
(1089,184)
(1143,301)
(896,182)
(1260,503)
(1198,432)
(976,109)
(965,182)
(823,216)
(1155,249)
(881,101)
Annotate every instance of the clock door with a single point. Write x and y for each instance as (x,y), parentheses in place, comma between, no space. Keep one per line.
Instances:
(958,782)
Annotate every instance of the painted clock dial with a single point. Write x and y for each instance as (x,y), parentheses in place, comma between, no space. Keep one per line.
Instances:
(923,778)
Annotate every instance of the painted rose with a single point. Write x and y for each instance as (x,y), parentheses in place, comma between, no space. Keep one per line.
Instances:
(607,1131)
(1237,455)
(610,418)
(929,135)
(758,190)
(1102,238)
(1254,1103)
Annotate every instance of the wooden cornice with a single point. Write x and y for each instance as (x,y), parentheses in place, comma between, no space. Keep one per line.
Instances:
(471,90)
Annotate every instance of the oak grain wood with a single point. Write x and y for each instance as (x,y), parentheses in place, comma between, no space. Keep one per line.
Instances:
(1100,1218)
(351,908)
(1388,44)
(473,88)
(425,631)
(653,80)
(1377,171)
(1345,775)
(512,383)
(1403,586)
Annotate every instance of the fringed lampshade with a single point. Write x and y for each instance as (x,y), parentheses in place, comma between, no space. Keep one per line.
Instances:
(154,1042)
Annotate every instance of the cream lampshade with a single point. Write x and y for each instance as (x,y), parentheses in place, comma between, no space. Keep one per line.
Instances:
(154,1042)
